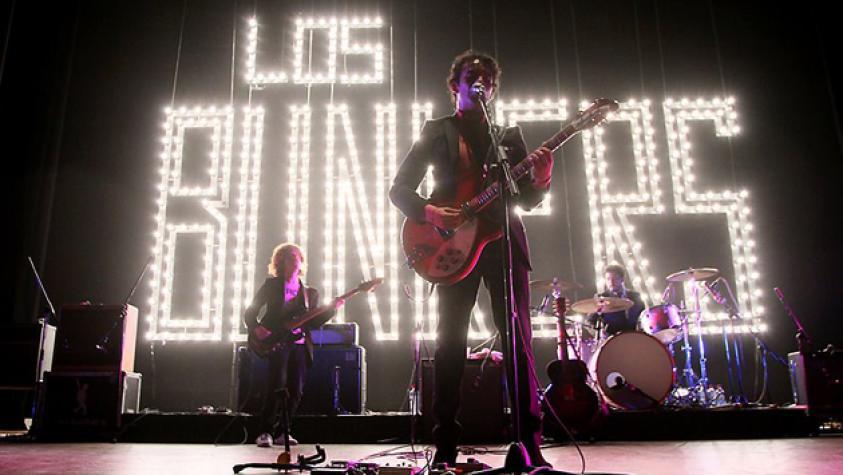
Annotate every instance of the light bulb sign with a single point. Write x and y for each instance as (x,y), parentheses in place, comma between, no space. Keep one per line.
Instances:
(220,220)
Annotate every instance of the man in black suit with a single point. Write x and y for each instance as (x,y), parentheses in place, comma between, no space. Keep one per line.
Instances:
(624,320)
(458,148)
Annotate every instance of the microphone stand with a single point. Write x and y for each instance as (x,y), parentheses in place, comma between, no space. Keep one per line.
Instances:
(803,341)
(517,460)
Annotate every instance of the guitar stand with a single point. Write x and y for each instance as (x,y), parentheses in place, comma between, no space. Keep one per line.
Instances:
(302,463)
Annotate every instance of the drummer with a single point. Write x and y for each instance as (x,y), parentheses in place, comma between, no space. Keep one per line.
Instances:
(624,320)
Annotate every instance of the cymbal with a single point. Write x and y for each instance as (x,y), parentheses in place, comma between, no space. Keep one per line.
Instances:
(609,305)
(555,284)
(703,273)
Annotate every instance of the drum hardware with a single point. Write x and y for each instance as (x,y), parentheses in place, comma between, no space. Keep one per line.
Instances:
(599,304)
(549,287)
(692,390)
(554,284)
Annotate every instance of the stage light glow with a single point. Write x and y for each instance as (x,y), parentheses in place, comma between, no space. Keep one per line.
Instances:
(688,200)
(358,201)
(213,198)
(246,231)
(349,201)
(516,112)
(613,235)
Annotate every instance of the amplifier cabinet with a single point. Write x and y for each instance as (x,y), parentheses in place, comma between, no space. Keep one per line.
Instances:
(343,334)
(88,402)
(31,348)
(817,381)
(345,365)
(96,338)
(483,408)
(337,371)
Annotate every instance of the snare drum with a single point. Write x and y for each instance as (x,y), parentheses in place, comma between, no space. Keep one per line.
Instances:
(663,322)
(633,370)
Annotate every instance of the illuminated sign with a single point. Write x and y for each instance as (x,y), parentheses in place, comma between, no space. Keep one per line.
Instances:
(352,189)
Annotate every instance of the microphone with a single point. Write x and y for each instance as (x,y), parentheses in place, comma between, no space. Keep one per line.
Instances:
(478,90)
(779,294)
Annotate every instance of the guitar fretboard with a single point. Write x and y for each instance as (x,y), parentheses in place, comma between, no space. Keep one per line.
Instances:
(519,171)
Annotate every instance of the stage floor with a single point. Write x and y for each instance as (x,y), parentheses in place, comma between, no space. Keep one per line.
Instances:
(815,455)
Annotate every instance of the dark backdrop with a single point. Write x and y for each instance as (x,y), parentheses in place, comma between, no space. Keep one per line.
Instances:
(84,84)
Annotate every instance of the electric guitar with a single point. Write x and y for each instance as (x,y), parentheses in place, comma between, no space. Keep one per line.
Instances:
(446,256)
(284,334)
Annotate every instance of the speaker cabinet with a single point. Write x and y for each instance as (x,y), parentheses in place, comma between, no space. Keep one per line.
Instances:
(483,408)
(342,334)
(817,381)
(250,381)
(28,352)
(23,344)
(88,403)
(332,364)
(96,338)
(336,382)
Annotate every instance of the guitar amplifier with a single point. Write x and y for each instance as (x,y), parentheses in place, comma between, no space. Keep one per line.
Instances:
(817,381)
(96,338)
(250,380)
(343,334)
(336,384)
(23,344)
(89,403)
(483,399)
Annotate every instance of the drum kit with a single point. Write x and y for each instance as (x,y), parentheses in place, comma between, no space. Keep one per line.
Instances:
(637,369)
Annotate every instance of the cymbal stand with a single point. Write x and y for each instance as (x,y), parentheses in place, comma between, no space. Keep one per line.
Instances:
(703,381)
(689,378)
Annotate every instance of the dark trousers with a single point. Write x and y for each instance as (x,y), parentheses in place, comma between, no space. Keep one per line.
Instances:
(285,384)
(455,304)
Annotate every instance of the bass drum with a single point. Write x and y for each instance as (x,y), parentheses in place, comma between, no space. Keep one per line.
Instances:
(633,370)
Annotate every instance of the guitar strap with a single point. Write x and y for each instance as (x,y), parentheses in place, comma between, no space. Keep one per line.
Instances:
(306,295)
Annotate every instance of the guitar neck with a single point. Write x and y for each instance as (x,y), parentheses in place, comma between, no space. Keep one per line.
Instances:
(311,314)
(492,191)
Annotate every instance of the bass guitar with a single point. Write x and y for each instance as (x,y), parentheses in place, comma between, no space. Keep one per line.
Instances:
(264,341)
(446,256)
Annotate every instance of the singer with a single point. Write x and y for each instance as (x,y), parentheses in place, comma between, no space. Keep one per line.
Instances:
(459,149)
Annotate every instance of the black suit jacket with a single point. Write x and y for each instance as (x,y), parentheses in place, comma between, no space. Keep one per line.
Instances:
(438,145)
(270,299)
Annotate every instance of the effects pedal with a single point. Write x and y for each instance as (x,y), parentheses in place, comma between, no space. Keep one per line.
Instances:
(398,470)
(469,466)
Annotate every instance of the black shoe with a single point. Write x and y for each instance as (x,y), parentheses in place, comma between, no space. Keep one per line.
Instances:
(533,449)
(445,456)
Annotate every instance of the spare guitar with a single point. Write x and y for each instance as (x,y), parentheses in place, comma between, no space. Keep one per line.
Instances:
(446,256)
(568,396)
(284,335)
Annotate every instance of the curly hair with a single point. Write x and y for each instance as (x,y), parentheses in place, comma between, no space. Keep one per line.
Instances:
(281,251)
(468,57)
(616,269)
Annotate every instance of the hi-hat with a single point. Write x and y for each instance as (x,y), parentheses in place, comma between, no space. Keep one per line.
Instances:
(604,304)
(703,273)
(555,284)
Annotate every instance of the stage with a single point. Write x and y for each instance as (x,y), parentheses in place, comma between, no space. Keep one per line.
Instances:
(816,455)
(746,440)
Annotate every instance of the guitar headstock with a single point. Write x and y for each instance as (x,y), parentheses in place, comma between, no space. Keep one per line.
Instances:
(370,285)
(595,114)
